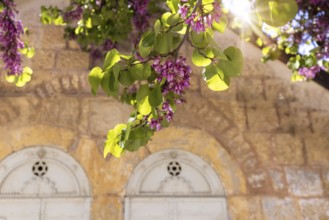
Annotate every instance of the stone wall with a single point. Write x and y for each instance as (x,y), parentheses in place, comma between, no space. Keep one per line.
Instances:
(266,138)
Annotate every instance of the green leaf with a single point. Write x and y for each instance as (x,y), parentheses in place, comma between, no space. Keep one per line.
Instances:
(95,77)
(164,43)
(112,57)
(144,51)
(141,71)
(138,137)
(173,19)
(276,12)
(233,66)
(126,78)
(148,39)
(173,5)
(221,25)
(215,83)
(143,105)
(215,78)
(199,40)
(164,19)
(200,60)
(112,143)
(157,27)
(155,97)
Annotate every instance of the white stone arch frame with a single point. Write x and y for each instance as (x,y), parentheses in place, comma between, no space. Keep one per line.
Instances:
(64,186)
(151,185)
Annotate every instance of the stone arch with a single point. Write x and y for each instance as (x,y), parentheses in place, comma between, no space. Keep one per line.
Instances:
(175,184)
(150,177)
(37,181)
(16,173)
(206,147)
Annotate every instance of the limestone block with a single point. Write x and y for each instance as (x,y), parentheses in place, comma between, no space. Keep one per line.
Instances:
(294,119)
(52,37)
(278,180)
(314,209)
(258,181)
(69,60)
(262,143)
(24,136)
(277,208)
(244,208)
(288,150)
(43,59)
(277,90)
(304,182)
(320,121)
(255,69)
(235,111)
(317,148)
(105,114)
(262,118)
(250,89)
(325,177)
(59,112)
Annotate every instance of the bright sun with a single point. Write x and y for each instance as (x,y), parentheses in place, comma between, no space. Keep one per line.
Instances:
(240,8)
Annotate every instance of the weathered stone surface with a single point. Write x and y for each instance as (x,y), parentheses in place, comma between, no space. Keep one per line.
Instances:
(105,114)
(317,148)
(304,182)
(107,207)
(325,177)
(314,209)
(288,150)
(278,180)
(232,110)
(25,136)
(250,89)
(262,143)
(244,208)
(70,59)
(294,119)
(52,37)
(320,121)
(262,118)
(43,59)
(277,208)
(278,91)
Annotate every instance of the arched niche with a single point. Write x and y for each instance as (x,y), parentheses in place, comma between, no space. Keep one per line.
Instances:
(38,181)
(174,184)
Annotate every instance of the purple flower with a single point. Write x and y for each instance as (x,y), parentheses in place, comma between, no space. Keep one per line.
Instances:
(10,43)
(183,10)
(309,73)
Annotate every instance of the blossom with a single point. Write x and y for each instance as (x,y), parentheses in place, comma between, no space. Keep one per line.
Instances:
(10,43)
(198,21)
(310,72)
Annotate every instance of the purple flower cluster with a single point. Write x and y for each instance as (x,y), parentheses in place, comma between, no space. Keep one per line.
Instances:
(309,73)
(10,43)
(311,24)
(200,21)
(175,76)
(141,15)
(166,112)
